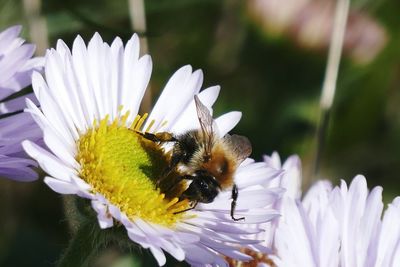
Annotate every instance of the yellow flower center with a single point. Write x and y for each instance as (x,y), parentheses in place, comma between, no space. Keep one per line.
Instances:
(124,167)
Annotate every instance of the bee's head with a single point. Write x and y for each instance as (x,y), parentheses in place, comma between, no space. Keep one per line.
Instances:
(204,188)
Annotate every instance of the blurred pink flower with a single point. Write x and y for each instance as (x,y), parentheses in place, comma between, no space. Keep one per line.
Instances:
(309,23)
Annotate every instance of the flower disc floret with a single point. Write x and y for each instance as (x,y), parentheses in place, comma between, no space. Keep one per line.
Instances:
(124,167)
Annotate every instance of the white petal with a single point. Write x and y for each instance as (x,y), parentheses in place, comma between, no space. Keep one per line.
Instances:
(228,121)
(48,161)
(158,254)
(96,73)
(60,186)
(60,149)
(188,119)
(140,75)
(176,96)
(104,218)
(292,178)
(199,254)
(390,233)
(51,111)
(81,70)
(294,235)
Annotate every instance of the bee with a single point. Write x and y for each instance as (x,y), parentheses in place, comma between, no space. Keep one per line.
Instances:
(205,159)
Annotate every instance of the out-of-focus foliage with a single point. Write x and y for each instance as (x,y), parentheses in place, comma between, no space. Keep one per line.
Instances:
(273,80)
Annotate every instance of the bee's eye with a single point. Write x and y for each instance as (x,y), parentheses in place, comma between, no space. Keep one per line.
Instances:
(204,185)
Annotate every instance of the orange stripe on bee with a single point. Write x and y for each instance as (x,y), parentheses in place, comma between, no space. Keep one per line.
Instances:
(222,166)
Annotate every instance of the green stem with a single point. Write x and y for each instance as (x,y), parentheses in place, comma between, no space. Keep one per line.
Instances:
(84,245)
(71,213)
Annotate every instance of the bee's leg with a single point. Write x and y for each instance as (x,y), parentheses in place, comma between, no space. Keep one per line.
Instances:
(161,137)
(235,194)
(172,185)
(190,208)
(177,155)
(160,180)
(175,159)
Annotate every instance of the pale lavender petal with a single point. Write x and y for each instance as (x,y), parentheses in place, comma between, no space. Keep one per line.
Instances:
(104,218)
(16,104)
(60,186)
(16,67)
(16,64)
(292,178)
(19,172)
(7,36)
(294,235)
(14,162)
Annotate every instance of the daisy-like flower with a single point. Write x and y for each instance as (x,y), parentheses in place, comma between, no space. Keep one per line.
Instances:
(289,181)
(288,184)
(329,227)
(338,227)
(16,67)
(89,102)
(291,177)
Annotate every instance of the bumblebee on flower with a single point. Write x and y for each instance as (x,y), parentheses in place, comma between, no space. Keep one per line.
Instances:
(90,99)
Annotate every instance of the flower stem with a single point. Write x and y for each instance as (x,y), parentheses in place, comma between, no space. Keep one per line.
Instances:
(89,240)
(38,30)
(84,245)
(331,73)
(71,213)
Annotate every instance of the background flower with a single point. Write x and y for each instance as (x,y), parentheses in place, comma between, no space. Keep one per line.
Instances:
(329,226)
(16,67)
(341,226)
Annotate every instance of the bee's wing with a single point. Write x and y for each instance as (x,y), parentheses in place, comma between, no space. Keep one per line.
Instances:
(240,145)
(206,123)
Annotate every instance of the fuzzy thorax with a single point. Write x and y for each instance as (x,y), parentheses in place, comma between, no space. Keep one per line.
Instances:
(124,167)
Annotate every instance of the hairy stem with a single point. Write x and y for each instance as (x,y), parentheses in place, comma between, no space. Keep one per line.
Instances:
(84,245)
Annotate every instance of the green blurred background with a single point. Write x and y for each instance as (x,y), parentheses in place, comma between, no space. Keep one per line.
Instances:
(268,67)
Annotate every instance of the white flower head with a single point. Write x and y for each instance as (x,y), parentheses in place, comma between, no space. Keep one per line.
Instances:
(90,99)
(16,67)
(339,227)
(287,184)
(329,227)
(291,174)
